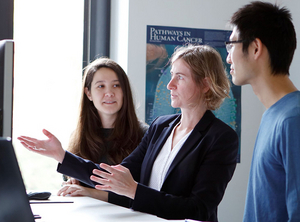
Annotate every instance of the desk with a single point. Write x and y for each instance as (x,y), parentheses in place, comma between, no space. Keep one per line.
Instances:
(87,209)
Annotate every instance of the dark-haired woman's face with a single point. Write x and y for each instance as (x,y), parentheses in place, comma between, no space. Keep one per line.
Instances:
(106,93)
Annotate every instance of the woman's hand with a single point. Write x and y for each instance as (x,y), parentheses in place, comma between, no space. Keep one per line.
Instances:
(118,180)
(50,147)
(76,190)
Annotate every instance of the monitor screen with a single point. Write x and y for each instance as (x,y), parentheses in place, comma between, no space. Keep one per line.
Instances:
(14,203)
(6,87)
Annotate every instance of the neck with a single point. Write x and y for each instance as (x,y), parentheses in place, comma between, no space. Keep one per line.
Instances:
(269,89)
(190,117)
(108,121)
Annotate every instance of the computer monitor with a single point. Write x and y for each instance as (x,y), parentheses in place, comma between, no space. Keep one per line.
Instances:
(6,87)
(14,202)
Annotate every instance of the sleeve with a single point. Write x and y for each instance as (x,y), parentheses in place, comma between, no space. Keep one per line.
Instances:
(82,169)
(78,168)
(291,155)
(133,162)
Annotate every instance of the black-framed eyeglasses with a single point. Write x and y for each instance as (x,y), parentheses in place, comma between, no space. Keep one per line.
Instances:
(229,44)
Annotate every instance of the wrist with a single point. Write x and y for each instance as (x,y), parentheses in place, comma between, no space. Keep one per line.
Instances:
(132,195)
(61,156)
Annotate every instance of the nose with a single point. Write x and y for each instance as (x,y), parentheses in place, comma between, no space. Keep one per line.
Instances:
(228,59)
(170,85)
(109,93)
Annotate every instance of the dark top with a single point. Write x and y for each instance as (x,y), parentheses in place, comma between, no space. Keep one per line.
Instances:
(196,180)
(106,132)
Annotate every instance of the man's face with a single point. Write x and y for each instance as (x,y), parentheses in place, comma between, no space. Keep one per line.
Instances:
(240,67)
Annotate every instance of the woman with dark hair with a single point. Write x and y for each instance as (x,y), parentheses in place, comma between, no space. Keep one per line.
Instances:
(109,119)
(184,162)
(107,129)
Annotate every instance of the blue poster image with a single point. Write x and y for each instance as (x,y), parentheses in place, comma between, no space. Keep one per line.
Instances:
(161,43)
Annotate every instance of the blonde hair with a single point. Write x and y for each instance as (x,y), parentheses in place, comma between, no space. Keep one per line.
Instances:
(206,62)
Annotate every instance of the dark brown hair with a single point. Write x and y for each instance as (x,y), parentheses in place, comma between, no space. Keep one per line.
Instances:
(273,26)
(87,141)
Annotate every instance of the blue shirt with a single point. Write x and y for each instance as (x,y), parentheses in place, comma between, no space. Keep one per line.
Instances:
(274,183)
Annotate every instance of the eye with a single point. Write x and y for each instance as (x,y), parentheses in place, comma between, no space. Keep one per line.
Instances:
(116,85)
(180,77)
(228,47)
(100,86)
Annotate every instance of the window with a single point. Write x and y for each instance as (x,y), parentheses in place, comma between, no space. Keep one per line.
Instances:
(48,39)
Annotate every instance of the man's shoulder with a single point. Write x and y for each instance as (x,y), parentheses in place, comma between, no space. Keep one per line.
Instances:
(287,105)
(286,113)
(290,106)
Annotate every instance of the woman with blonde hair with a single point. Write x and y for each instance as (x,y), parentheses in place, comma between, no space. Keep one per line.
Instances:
(183,164)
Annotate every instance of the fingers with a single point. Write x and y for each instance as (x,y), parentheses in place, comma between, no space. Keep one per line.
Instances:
(29,145)
(47,133)
(71,190)
(26,138)
(113,172)
(119,167)
(102,180)
(117,179)
(29,142)
(76,193)
(24,144)
(113,169)
(62,190)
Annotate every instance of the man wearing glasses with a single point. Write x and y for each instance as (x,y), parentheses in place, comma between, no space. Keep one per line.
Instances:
(260,52)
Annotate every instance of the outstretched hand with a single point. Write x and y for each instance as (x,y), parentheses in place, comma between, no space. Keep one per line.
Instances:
(117,179)
(50,147)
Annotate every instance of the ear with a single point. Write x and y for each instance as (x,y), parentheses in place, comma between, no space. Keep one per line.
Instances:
(88,93)
(257,48)
(206,84)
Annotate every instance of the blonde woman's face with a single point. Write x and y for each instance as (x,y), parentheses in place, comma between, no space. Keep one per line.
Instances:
(183,89)
(106,93)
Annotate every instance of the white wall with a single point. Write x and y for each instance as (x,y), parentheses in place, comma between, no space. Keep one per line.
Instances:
(204,14)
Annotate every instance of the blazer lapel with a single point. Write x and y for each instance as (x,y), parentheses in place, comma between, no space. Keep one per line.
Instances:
(192,141)
(164,134)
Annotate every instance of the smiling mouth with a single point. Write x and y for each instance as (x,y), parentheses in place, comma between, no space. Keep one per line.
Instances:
(109,102)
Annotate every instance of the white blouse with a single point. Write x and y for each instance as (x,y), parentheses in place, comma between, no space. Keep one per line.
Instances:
(164,160)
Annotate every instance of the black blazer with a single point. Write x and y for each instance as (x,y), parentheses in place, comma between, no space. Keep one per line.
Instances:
(196,180)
